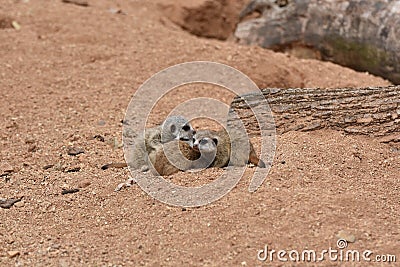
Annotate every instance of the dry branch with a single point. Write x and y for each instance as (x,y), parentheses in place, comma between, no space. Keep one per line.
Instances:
(373,111)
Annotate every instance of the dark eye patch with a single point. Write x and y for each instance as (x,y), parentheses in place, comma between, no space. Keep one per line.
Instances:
(186,128)
(215,140)
(203,141)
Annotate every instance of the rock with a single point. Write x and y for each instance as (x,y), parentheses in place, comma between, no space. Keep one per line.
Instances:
(13,253)
(48,166)
(8,203)
(144,168)
(74,169)
(32,148)
(73,151)
(84,183)
(346,236)
(20,204)
(127,183)
(69,191)
(16,25)
(113,165)
(99,137)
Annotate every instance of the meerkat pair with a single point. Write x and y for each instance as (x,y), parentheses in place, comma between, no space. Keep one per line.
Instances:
(175,146)
(210,149)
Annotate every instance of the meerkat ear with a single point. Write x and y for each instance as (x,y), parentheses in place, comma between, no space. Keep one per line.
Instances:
(173,128)
(215,140)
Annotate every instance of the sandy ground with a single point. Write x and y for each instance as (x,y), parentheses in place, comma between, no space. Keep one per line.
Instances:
(68,74)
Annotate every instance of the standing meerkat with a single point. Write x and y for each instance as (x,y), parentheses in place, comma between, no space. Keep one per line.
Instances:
(173,128)
(222,142)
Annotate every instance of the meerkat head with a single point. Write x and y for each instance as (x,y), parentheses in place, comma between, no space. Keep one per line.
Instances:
(205,145)
(177,128)
(205,141)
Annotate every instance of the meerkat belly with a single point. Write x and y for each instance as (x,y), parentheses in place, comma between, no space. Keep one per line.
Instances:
(172,157)
(223,150)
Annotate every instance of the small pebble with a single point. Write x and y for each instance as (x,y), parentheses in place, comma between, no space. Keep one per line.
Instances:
(13,253)
(19,204)
(346,236)
(74,169)
(144,168)
(99,137)
(32,148)
(8,203)
(69,191)
(48,166)
(127,183)
(73,151)
(84,184)
(16,25)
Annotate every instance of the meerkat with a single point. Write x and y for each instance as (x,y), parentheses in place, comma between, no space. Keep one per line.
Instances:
(222,143)
(173,128)
(198,156)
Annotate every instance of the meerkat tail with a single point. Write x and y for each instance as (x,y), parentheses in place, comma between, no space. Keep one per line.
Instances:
(254,159)
(114,165)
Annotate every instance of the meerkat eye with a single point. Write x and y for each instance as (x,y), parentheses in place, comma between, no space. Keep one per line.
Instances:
(186,128)
(215,140)
(203,141)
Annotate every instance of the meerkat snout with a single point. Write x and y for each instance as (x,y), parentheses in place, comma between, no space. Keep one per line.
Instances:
(176,128)
(206,145)
(186,134)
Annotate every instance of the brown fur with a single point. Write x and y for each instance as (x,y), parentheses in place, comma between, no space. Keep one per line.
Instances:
(162,166)
(223,154)
(172,128)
